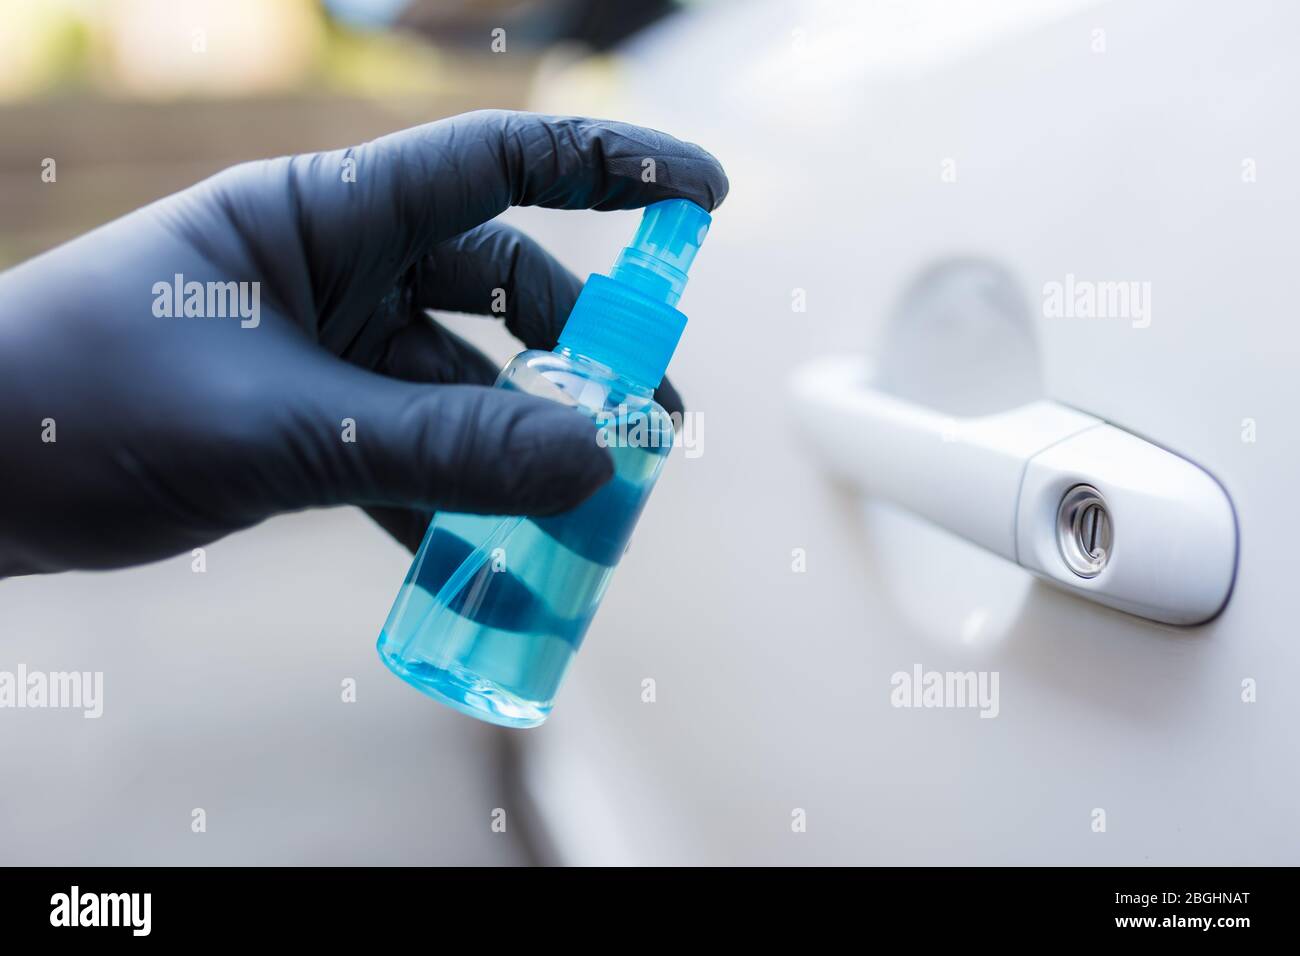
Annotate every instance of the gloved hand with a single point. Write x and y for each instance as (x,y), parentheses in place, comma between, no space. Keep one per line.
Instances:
(128,436)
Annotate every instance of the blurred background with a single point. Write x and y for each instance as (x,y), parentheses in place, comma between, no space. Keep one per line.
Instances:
(881,153)
(144,97)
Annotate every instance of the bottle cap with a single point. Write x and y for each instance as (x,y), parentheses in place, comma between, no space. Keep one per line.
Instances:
(628,320)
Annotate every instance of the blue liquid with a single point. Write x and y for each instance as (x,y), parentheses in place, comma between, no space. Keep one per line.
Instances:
(494,608)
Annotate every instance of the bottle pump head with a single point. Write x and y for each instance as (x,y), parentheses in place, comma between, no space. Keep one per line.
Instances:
(628,320)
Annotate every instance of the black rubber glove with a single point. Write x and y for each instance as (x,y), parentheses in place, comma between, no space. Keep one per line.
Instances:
(128,436)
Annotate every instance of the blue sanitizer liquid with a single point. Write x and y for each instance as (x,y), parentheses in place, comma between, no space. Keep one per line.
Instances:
(495,607)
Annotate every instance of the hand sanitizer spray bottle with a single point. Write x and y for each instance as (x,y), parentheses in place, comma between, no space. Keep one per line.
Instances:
(494,608)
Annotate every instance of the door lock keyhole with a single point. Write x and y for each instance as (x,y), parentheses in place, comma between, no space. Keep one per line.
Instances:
(1083,531)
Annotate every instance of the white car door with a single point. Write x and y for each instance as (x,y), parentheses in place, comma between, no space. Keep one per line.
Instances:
(946,194)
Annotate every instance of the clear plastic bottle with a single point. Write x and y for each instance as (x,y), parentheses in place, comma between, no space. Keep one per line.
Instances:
(494,608)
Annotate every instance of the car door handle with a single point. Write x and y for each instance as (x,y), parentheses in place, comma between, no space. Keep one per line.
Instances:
(1077,501)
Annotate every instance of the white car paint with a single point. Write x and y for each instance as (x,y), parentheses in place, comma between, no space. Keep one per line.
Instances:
(1145,142)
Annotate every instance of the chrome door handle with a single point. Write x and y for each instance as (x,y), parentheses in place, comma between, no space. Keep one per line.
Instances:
(1077,501)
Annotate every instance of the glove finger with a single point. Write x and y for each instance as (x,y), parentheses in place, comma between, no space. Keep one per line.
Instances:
(427,352)
(365,215)
(348,436)
(406,526)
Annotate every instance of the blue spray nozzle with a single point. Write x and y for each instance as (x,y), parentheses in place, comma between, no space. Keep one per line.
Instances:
(661,252)
(629,320)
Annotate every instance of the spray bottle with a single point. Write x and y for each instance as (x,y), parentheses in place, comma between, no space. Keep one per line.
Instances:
(494,608)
